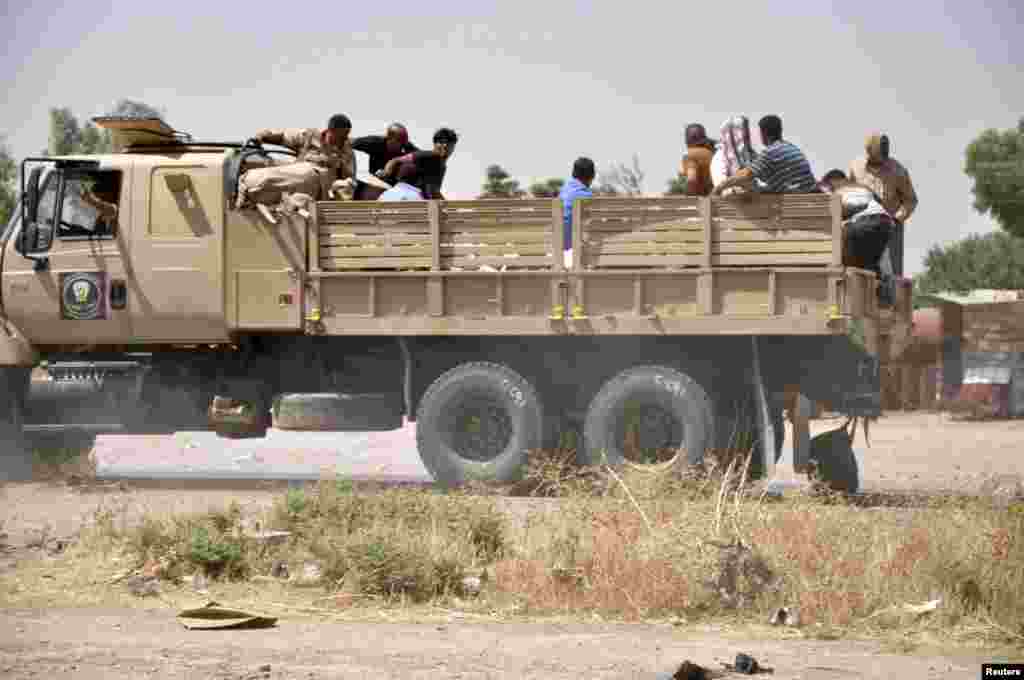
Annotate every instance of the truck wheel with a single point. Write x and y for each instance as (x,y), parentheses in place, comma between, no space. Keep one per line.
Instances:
(645,415)
(15,452)
(338,412)
(478,421)
(836,462)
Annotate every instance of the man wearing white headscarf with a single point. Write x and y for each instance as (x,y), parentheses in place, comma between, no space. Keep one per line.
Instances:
(735,151)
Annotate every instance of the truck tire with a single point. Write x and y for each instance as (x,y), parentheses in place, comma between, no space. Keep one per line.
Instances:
(478,421)
(15,452)
(836,461)
(338,412)
(674,411)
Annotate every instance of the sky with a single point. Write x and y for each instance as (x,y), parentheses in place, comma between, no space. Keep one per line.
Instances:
(532,85)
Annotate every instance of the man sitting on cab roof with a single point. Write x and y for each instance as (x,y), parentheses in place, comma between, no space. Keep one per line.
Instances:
(323,158)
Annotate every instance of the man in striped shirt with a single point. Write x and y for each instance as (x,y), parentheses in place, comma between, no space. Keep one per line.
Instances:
(781,167)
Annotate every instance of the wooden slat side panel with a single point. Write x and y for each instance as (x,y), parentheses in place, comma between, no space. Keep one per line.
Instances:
(510,233)
(773,259)
(640,261)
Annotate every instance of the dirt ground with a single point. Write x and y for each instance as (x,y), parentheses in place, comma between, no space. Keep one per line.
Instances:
(93,644)
(909,452)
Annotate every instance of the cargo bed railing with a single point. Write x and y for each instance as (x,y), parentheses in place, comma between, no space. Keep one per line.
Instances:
(676,265)
(788,230)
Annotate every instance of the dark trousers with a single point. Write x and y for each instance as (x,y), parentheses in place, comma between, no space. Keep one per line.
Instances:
(866,240)
(896,248)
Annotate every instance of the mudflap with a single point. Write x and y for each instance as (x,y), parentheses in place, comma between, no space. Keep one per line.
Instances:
(836,370)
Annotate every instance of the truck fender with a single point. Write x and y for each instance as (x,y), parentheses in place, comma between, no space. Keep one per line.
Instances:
(15,349)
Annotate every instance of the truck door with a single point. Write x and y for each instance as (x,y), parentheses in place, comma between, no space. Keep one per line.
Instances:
(178,249)
(65,277)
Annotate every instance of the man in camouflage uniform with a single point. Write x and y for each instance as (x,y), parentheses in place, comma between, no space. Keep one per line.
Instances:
(324,167)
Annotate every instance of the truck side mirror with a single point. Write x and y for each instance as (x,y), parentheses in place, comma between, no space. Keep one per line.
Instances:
(32,196)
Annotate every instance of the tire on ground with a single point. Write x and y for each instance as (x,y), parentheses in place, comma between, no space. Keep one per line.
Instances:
(836,461)
(338,411)
(457,394)
(15,452)
(670,390)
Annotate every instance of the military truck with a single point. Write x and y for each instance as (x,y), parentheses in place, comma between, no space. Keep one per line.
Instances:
(680,324)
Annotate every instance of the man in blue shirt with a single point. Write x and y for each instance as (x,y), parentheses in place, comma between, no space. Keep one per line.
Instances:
(583,173)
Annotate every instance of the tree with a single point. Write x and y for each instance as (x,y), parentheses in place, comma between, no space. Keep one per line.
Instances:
(500,184)
(135,109)
(549,188)
(619,179)
(676,186)
(70,136)
(995,161)
(65,133)
(8,177)
(992,261)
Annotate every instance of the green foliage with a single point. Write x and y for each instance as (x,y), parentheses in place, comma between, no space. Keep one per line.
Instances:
(990,261)
(499,184)
(215,554)
(65,132)
(8,178)
(995,161)
(676,186)
(69,135)
(549,188)
(295,501)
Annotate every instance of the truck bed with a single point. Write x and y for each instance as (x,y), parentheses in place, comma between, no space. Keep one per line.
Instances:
(688,265)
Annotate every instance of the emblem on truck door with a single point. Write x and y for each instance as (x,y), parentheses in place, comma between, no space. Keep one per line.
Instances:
(82,296)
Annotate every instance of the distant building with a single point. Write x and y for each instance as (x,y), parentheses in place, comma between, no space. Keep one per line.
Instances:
(980,341)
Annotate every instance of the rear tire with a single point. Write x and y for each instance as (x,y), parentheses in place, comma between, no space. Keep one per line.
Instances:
(674,408)
(479,421)
(16,456)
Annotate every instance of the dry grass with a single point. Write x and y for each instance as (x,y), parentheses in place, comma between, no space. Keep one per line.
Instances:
(705,547)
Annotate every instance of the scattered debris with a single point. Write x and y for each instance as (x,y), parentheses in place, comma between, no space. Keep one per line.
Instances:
(200,583)
(143,586)
(311,574)
(471,585)
(687,671)
(929,606)
(1004,489)
(784,616)
(270,537)
(279,570)
(212,616)
(742,574)
(746,665)
(902,613)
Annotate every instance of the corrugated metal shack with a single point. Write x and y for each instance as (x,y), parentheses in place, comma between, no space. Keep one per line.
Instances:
(980,341)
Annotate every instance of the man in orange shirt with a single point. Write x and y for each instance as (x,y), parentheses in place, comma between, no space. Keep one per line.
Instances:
(695,167)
